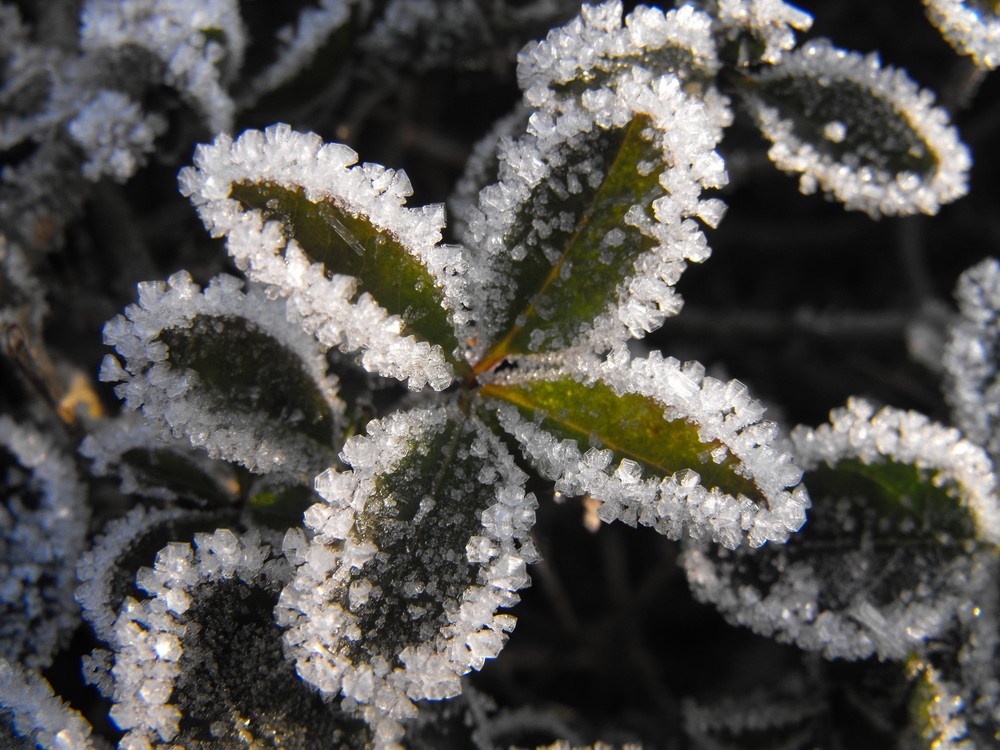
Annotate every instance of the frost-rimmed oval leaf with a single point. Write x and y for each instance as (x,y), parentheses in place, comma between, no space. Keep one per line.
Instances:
(200,662)
(136,453)
(971,26)
(592,221)
(364,271)
(900,537)
(33,718)
(106,572)
(43,527)
(659,444)
(594,48)
(414,550)
(864,133)
(228,371)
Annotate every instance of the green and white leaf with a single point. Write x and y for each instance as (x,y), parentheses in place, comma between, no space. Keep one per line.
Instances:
(199,664)
(861,132)
(971,26)
(658,443)
(592,221)
(414,550)
(901,535)
(363,271)
(228,371)
(936,710)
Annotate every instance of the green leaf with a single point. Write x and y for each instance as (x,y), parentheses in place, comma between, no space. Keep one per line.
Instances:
(657,443)
(280,507)
(351,244)
(415,549)
(570,272)
(632,426)
(901,533)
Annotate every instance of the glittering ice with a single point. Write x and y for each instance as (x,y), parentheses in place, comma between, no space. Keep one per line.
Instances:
(973,28)
(29,709)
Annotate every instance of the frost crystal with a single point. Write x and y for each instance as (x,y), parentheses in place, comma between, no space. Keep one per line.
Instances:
(679,504)
(328,304)
(972,355)
(202,613)
(597,44)
(889,111)
(43,524)
(107,571)
(29,709)
(313,29)
(970,26)
(113,132)
(865,596)
(176,398)
(382,618)
(201,44)
(770,21)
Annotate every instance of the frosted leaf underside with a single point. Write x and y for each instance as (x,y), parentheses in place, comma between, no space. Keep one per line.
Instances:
(900,537)
(659,444)
(414,550)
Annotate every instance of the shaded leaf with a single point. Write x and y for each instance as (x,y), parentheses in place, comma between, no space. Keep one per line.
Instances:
(364,271)
(414,550)
(900,538)
(229,372)
(863,133)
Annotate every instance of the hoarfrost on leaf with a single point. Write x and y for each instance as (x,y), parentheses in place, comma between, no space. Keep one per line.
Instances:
(31,714)
(43,520)
(413,551)
(770,23)
(361,269)
(845,585)
(195,363)
(748,492)
(898,155)
(971,26)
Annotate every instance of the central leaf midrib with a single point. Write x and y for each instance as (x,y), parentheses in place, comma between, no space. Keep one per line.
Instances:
(512,397)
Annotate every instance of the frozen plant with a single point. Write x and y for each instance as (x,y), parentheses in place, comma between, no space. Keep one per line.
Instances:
(313,519)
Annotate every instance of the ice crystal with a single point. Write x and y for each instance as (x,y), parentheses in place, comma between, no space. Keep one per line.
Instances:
(177,676)
(176,397)
(43,519)
(113,131)
(33,718)
(200,44)
(896,155)
(971,356)
(771,22)
(971,27)
(678,504)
